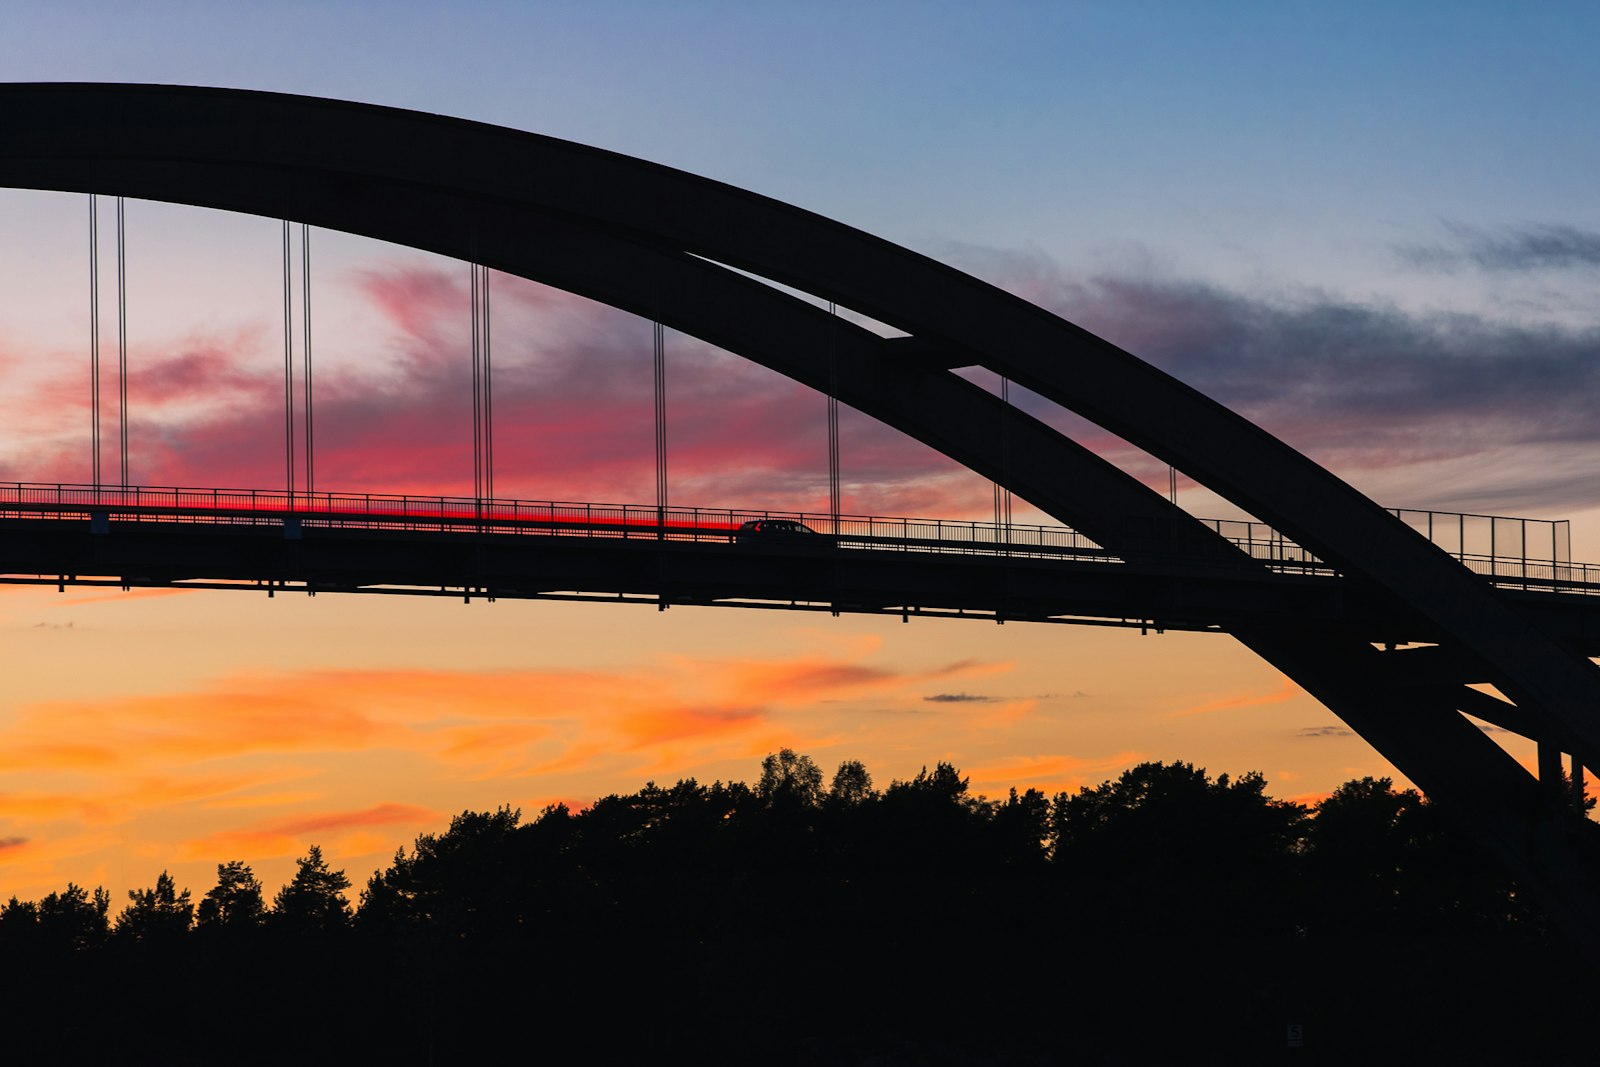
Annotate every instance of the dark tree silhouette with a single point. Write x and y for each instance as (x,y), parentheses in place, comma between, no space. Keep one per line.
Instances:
(74,918)
(851,784)
(692,921)
(19,922)
(313,901)
(1381,859)
(944,784)
(235,902)
(1175,850)
(1022,828)
(157,914)
(461,878)
(788,777)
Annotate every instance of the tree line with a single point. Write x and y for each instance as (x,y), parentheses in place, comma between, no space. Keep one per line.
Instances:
(1161,914)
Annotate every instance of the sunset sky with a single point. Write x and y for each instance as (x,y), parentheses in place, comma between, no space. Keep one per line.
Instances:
(1370,227)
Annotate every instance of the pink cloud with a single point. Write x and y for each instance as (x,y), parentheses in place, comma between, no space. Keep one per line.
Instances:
(573,414)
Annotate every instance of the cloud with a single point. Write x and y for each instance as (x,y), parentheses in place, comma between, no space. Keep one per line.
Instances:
(1451,410)
(1049,773)
(657,726)
(1454,411)
(12,842)
(288,835)
(1528,247)
(959,698)
(1324,731)
(1287,691)
(257,765)
(1363,387)
(573,412)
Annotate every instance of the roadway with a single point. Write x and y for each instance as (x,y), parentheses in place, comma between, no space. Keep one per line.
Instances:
(405,545)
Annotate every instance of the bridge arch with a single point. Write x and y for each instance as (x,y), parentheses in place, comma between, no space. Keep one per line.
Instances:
(660,242)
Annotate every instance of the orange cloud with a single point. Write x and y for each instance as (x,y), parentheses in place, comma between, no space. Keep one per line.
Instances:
(292,833)
(1048,774)
(212,761)
(656,726)
(1287,691)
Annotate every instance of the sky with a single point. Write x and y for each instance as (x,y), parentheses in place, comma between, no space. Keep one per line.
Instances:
(1369,227)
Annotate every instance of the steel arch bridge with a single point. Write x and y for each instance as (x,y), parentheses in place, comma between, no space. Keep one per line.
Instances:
(682,250)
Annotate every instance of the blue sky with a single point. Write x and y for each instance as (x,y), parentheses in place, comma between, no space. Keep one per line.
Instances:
(1072,126)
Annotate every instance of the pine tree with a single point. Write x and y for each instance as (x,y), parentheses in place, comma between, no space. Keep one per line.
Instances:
(235,902)
(313,902)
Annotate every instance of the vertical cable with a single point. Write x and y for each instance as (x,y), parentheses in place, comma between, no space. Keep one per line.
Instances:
(305,320)
(833,417)
(1002,492)
(1172,483)
(288,366)
(488,395)
(122,342)
(94,339)
(477,395)
(661,427)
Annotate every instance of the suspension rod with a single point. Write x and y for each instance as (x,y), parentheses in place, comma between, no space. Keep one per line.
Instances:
(1002,494)
(660,367)
(488,392)
(94,338)
(477,388)
(834,501)
(305,320)
(288,366)
(122,344)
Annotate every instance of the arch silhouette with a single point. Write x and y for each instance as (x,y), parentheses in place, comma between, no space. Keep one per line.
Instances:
(660,242)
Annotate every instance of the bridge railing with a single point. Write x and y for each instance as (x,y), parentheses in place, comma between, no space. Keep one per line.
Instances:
(1497,546)
(1534,553)
(502,515)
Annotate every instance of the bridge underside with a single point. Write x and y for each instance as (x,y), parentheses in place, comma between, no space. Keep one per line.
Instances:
(672,567)
(652,240)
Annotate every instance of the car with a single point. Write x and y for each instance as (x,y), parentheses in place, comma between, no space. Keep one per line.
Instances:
(765,529)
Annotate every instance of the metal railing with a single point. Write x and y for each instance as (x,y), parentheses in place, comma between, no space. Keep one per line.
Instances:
(567,518)
(1525,553)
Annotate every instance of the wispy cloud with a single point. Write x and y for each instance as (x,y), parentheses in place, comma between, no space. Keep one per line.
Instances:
(1528,247)
(1323,731)
(573,413)
(1049,773)
(1287,691)
(959,698)
(1452,410)
(292,834)
(255,765)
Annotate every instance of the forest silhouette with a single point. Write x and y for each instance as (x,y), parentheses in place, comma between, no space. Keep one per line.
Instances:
(1164,916)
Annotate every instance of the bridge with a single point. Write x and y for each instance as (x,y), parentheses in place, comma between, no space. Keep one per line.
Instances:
(474,547)
(1389,618)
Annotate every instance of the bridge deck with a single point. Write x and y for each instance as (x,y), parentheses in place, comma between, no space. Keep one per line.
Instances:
(59,535)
